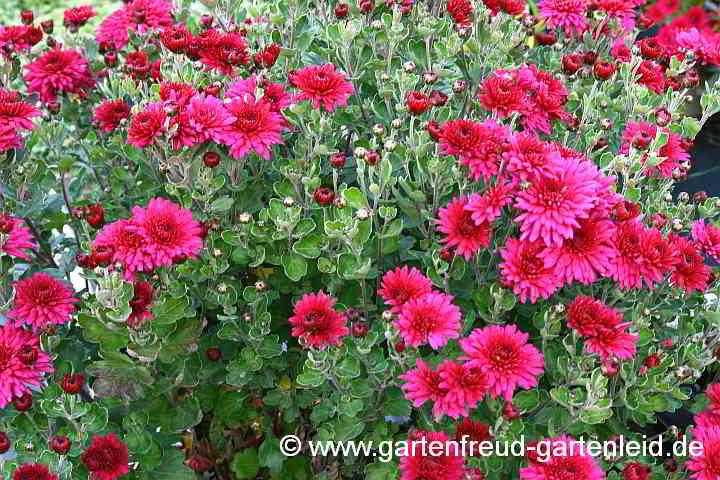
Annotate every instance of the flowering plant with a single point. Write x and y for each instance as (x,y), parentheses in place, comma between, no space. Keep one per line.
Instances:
(400,221)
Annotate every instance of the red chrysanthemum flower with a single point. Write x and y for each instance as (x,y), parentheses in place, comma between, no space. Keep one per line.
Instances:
(268,56)
(613,342)
(402,285)
(110,113)
(147,125)
(424,384)
(652,75)
(586,256)
(565,459)
(672,151)
(176,38)
(462,233)
(33,471)
(15,237)
(106,458)
(57,72)
(168,230)
(137,15)
(17,374)
(690,273)
(431,319)
(589,316)
(222,51)
(417,102)
(636,471)
(421,463)
(315,322)
(487,207)
(528,157)
(570,15)
(142,298)
(525,272)
(502,95)
(126,245)
(76,17)
(705,465)
(20,37)
(554,203)
(41,301)
(473,432)
(322,85)
(477,145)
(460,10)
(466,387)
(14,113)
(504,356)
(511,7)
(177,94)
(707,237)
(256,128)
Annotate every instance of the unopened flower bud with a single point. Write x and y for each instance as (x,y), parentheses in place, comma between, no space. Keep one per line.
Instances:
(396,123)
(360,153)
(378,129)
(390,145)
(288,201)
(409,66)
(459,86)
(430,77)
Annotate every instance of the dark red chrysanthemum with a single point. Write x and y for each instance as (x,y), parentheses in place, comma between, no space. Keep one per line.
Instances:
(588,316)
(106,458)
(142,298)
(222,51)
(472,431)
(176,38)
(690,273)
(268,56)
(501,94)
(57,72)
(460,10)
(110,113)
(33,471)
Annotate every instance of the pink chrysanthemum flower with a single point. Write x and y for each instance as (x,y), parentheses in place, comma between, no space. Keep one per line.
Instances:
(707,237)
(504,356)
(487,207)
(22,363)
(403,284)
(14,113)
(208,118)
(147,125)
(322,85)
(106,458)
(127,246)
(570,15)
(273,94)
(554,203)
(423,385)
(566,459)
(315,322)
(168,230)
(690,273)
(256,128)
(57,72)
(525,272)
(33,471)
(42,301)
(710,418)
(9,138)
(431,319)
(177,93)
(421,463)
(584,257)
(466,387)
(223,51)
(528,157)
(15,237)
(706,465)
(139,16)
(641,256)
(477,145)
(110,113)
(461,231)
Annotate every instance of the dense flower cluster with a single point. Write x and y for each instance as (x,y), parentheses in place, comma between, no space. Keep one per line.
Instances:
(22,363)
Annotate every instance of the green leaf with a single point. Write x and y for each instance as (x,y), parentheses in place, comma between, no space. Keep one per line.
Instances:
(348,369)
(222,204)
(245,464)
(309,246)
(310,378)
(270,347)
(355,198)
(303,227)
(173,467)
(270,455)
(295,266)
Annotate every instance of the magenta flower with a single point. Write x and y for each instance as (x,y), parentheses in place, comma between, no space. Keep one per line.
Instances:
(256,128)
(707,237)
(315,322)
(137,15)
(568,14)
(22,363)
(504,356)
(461,231)
(423,464)
(403,284)
(322,85)
(57,72)
(15,237)
(566,458)
(525,271)
(431,319)
(42,301)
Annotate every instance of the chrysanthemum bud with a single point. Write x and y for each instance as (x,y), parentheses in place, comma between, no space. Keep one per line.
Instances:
(459,86)
(360,153)
(409,66)
(378,129)
(60,444)
(430,77)
(288,201)
(390,145)
(700,197)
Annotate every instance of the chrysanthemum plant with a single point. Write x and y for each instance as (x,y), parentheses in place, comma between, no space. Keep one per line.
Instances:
(368,222)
